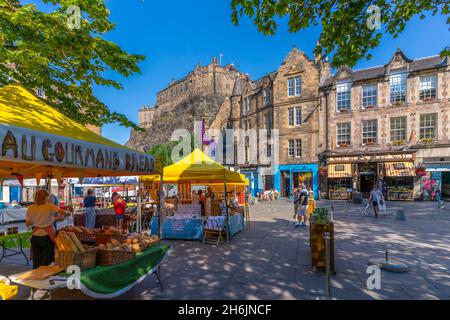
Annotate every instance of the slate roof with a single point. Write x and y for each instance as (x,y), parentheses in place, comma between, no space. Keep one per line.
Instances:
(380,71)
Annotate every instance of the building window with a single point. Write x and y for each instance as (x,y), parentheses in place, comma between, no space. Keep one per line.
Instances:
(398,129)
(246,154)
(266,97)
(369,97)
(298,116)
(428,126)
(398,88)
(294,86)
(370,132)
(295,116)
(269,150)
(428,87)
(291,149)
(343,134)
(291,116)
(298,148)
(343,97)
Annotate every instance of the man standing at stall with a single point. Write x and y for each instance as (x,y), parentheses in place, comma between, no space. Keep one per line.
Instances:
(89,203)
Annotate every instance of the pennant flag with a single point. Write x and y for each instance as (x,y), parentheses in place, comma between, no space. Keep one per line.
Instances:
(20,178)
(38,176)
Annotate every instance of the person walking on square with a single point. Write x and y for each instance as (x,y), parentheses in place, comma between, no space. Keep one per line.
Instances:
(303,206)
(296,201)
(377,199)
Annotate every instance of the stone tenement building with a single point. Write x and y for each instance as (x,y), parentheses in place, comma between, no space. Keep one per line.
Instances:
(387,125)
(286,100)
(378,125)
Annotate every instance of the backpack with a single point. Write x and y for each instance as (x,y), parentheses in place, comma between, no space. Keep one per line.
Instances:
(304,194)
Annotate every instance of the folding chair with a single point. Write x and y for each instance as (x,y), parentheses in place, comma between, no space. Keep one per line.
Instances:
(213,231)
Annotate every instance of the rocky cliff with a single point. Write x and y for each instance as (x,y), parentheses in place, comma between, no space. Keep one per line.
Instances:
(183,116)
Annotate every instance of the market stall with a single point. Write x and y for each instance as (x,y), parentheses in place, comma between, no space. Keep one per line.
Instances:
(340,181)
(39,142)
(197,169)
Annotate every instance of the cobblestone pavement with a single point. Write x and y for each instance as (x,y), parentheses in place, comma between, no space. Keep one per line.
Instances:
(272,259)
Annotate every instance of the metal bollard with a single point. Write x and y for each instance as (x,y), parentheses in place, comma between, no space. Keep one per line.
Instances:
(327,238)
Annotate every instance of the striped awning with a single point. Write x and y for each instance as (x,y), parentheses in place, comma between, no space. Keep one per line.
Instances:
(340,171)
(400,169)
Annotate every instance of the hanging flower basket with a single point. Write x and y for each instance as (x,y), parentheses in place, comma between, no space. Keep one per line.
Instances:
(323,171)
(421,172)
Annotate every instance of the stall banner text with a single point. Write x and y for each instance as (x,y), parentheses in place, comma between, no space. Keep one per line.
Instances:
(25,145)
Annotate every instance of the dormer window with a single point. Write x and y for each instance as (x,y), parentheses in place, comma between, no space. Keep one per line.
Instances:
(398,87)
(295,86)
(343,97)
(428,88)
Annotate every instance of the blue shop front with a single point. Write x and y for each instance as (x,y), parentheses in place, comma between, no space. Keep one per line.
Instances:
(253,176)
(290,176)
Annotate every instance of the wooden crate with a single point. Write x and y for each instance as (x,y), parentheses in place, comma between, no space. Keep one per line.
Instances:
(317,242)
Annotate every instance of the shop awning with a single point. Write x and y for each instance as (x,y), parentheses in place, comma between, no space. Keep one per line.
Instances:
(340,171)
(38,141)
(399,169)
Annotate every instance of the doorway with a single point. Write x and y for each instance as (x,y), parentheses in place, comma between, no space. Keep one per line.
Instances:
(446,186)
(286,183)
(367,178)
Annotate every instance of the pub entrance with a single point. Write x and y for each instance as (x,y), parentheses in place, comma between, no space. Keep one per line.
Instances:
(367,178)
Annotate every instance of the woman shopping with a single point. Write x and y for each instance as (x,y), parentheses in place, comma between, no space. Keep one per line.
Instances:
(119,208)
(40,217)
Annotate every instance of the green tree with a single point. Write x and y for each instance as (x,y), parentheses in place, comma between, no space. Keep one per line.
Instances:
(345,28)
(50,51)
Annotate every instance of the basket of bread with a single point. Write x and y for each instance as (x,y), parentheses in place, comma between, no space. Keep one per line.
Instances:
(139,243)
(70,252)
(106,234)
(82,233)
(114,252)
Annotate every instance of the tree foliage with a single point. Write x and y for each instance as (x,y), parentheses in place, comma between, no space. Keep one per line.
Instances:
(345,31)
(41,51)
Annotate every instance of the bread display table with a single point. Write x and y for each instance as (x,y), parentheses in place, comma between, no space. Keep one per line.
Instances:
(110,281)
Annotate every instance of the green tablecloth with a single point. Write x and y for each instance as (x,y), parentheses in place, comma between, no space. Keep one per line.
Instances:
(112,281)
(12,241)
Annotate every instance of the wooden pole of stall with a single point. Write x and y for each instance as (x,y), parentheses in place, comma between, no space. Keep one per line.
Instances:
(139,211)
(161,205)
(226,208)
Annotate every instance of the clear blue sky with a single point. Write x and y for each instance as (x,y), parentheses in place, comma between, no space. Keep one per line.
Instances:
(176,35)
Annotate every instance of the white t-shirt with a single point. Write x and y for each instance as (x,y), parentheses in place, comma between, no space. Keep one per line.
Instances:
(41,216)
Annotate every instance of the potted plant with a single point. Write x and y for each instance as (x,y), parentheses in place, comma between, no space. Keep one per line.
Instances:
(398,142)
(323,171)
(321,224)
(427,140)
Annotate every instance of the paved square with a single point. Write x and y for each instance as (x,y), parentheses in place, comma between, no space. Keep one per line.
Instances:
(272,259)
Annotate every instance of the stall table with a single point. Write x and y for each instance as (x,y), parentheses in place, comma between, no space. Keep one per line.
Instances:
(111,281)
(192,228)
(12,215)
(15,243)
(105,217)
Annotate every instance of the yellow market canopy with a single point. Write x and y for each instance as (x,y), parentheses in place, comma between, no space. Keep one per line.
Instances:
(198,168)
(38,141)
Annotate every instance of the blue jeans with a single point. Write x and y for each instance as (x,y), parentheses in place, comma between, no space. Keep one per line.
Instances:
(90,218)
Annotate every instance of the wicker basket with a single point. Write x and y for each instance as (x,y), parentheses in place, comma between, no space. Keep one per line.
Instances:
(111,257)
(103,238)
(83,236)
(84,260)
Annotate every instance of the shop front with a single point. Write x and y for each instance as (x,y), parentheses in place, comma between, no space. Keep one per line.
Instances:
(289,177)
(393,173)
(253,178)
(399,181)
(340,181)
(435,184)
